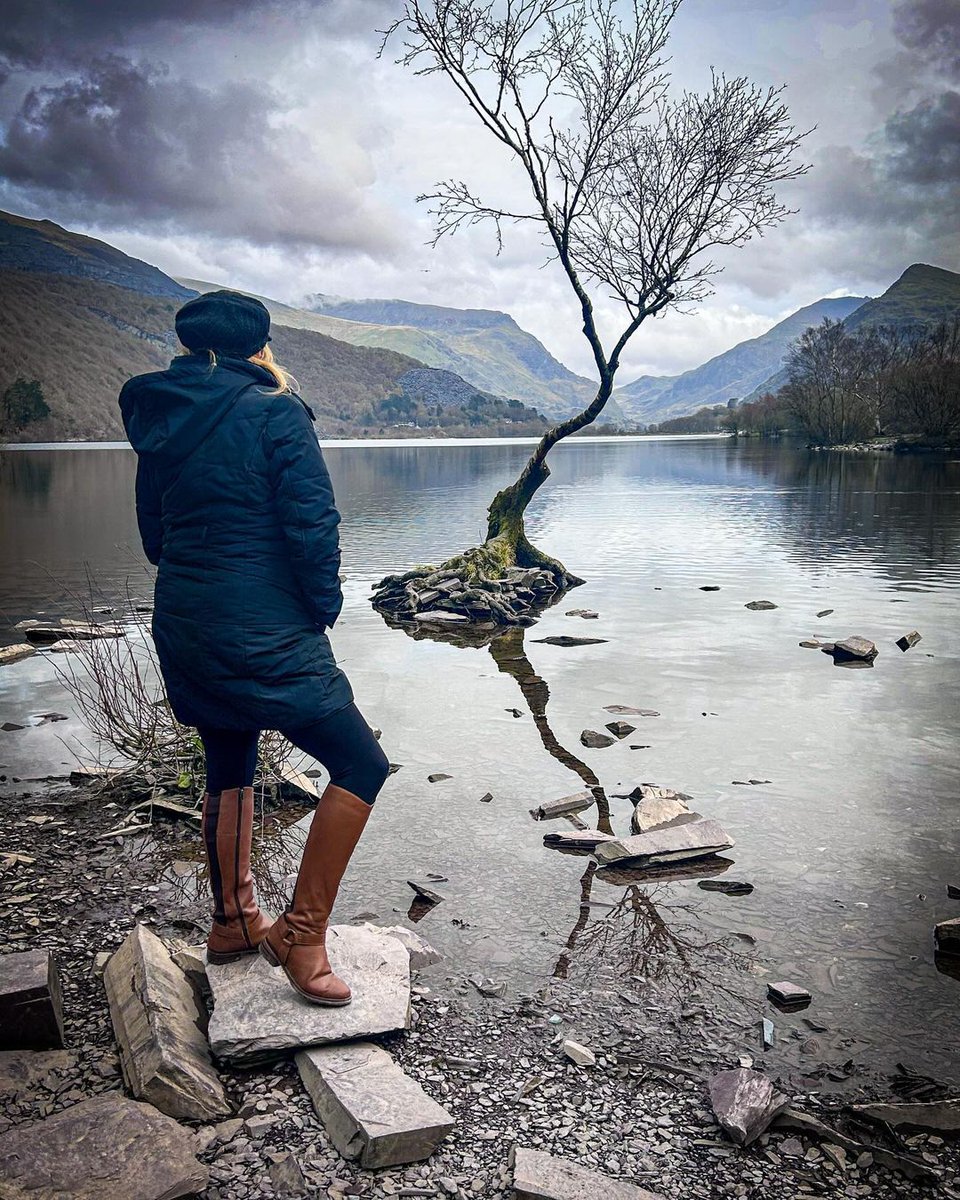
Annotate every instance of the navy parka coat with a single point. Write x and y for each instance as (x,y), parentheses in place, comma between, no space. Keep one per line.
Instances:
(236,509)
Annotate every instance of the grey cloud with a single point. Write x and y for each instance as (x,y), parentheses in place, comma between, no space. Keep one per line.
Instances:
(132,144)
(930,30)
(923,144)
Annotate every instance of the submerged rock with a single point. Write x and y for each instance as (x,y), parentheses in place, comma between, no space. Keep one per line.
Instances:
(565,639)
(105,1147)
(745,1102)
(257,1016)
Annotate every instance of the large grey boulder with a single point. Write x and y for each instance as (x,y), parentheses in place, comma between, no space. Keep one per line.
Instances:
(674,843)
(370,1109)
(257,1016)
(158,1023)
(31,1007)
(745,1102)
(540,1176)
(852,649)
(107,1148)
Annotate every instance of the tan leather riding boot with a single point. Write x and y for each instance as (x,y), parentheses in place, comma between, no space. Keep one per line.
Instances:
(297,940)
(238,924)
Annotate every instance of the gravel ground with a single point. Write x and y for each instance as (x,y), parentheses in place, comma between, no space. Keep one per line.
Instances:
(641,1113)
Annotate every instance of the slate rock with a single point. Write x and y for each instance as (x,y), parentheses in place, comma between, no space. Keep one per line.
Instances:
(14,653)
(627,710)
(909,640)
(107,1148)
(788,996)
(158,1022)
(852,649)
(31,1006)
(576,839)
(744,1103)
(564,805)
(696,839)
(371,1110)
(594,740)
(582,1055)
(947,936)
(287,1177)
(257,1016)
(659,808)
(940,1115)
(422,954)
(566,639)
(541,1176)
(24,1072)
(760,605)
(620,729)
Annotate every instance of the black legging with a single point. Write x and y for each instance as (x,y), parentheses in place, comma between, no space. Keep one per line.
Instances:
(343,742)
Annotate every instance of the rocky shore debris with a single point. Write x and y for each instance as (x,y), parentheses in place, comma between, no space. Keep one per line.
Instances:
(941,1116)
(43,633)
(577,839)
(566,639)
(692,840)
(729,887)
(760,605)
(594,740)
(372,1111)
(947,937)
(909,640)
(14,653)
(582,1055)
(257,1017)
(626,710)
(424,893)
(745,1102)
(620,729)
(541,1176)
(105,1147)
(865,1153)
(788,997)
(659,808)
(31,1004)
(159,1025)
(510,599)
(587,613)
(851,650)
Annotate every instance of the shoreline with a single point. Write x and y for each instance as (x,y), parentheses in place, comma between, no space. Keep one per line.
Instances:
(640,1115)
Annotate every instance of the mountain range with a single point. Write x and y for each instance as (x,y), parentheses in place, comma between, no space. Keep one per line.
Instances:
(79,316)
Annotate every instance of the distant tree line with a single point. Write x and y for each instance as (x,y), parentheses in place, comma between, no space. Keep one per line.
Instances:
(845,386)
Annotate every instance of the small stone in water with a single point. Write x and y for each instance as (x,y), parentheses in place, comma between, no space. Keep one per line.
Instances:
(908,640)
(620,729)
(760,605)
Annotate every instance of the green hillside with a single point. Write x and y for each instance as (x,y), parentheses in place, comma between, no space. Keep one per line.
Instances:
(923,295)
(733,374)
(84,326)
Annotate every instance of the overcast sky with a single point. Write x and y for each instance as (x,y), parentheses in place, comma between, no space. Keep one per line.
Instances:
(262,144)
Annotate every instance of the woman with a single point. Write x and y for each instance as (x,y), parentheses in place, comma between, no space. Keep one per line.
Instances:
(236,509)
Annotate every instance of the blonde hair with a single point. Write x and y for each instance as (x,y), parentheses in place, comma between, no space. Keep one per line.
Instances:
(263,358)
(284,380)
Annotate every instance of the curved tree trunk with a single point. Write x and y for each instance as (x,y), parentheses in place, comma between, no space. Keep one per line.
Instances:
(507,541)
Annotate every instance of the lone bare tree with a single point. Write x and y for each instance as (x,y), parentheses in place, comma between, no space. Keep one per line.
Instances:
(629,186)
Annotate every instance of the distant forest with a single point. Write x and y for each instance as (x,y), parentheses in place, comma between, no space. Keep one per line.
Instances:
(842,386)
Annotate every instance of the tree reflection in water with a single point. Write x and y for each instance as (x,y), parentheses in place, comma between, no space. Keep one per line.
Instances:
(644,936)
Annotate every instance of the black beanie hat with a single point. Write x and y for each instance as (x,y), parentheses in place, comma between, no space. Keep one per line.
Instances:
(224,322)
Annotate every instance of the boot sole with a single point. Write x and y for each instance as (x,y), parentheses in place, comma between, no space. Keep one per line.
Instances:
(272,959)
(219,957)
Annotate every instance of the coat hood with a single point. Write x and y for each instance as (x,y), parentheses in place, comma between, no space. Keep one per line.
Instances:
(167,414)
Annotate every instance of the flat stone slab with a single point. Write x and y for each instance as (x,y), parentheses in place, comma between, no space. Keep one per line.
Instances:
(941,1115)
(576,839)
(947,936)
(564,806)
(372,1111)
(696,839)
(257,1016)
(540,1176)
(745,1102)
(12,654)
(107,1147)
(31,1007)
(159,1026)
(422,954)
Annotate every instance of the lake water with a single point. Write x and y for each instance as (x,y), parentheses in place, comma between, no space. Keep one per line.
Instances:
(849,841)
